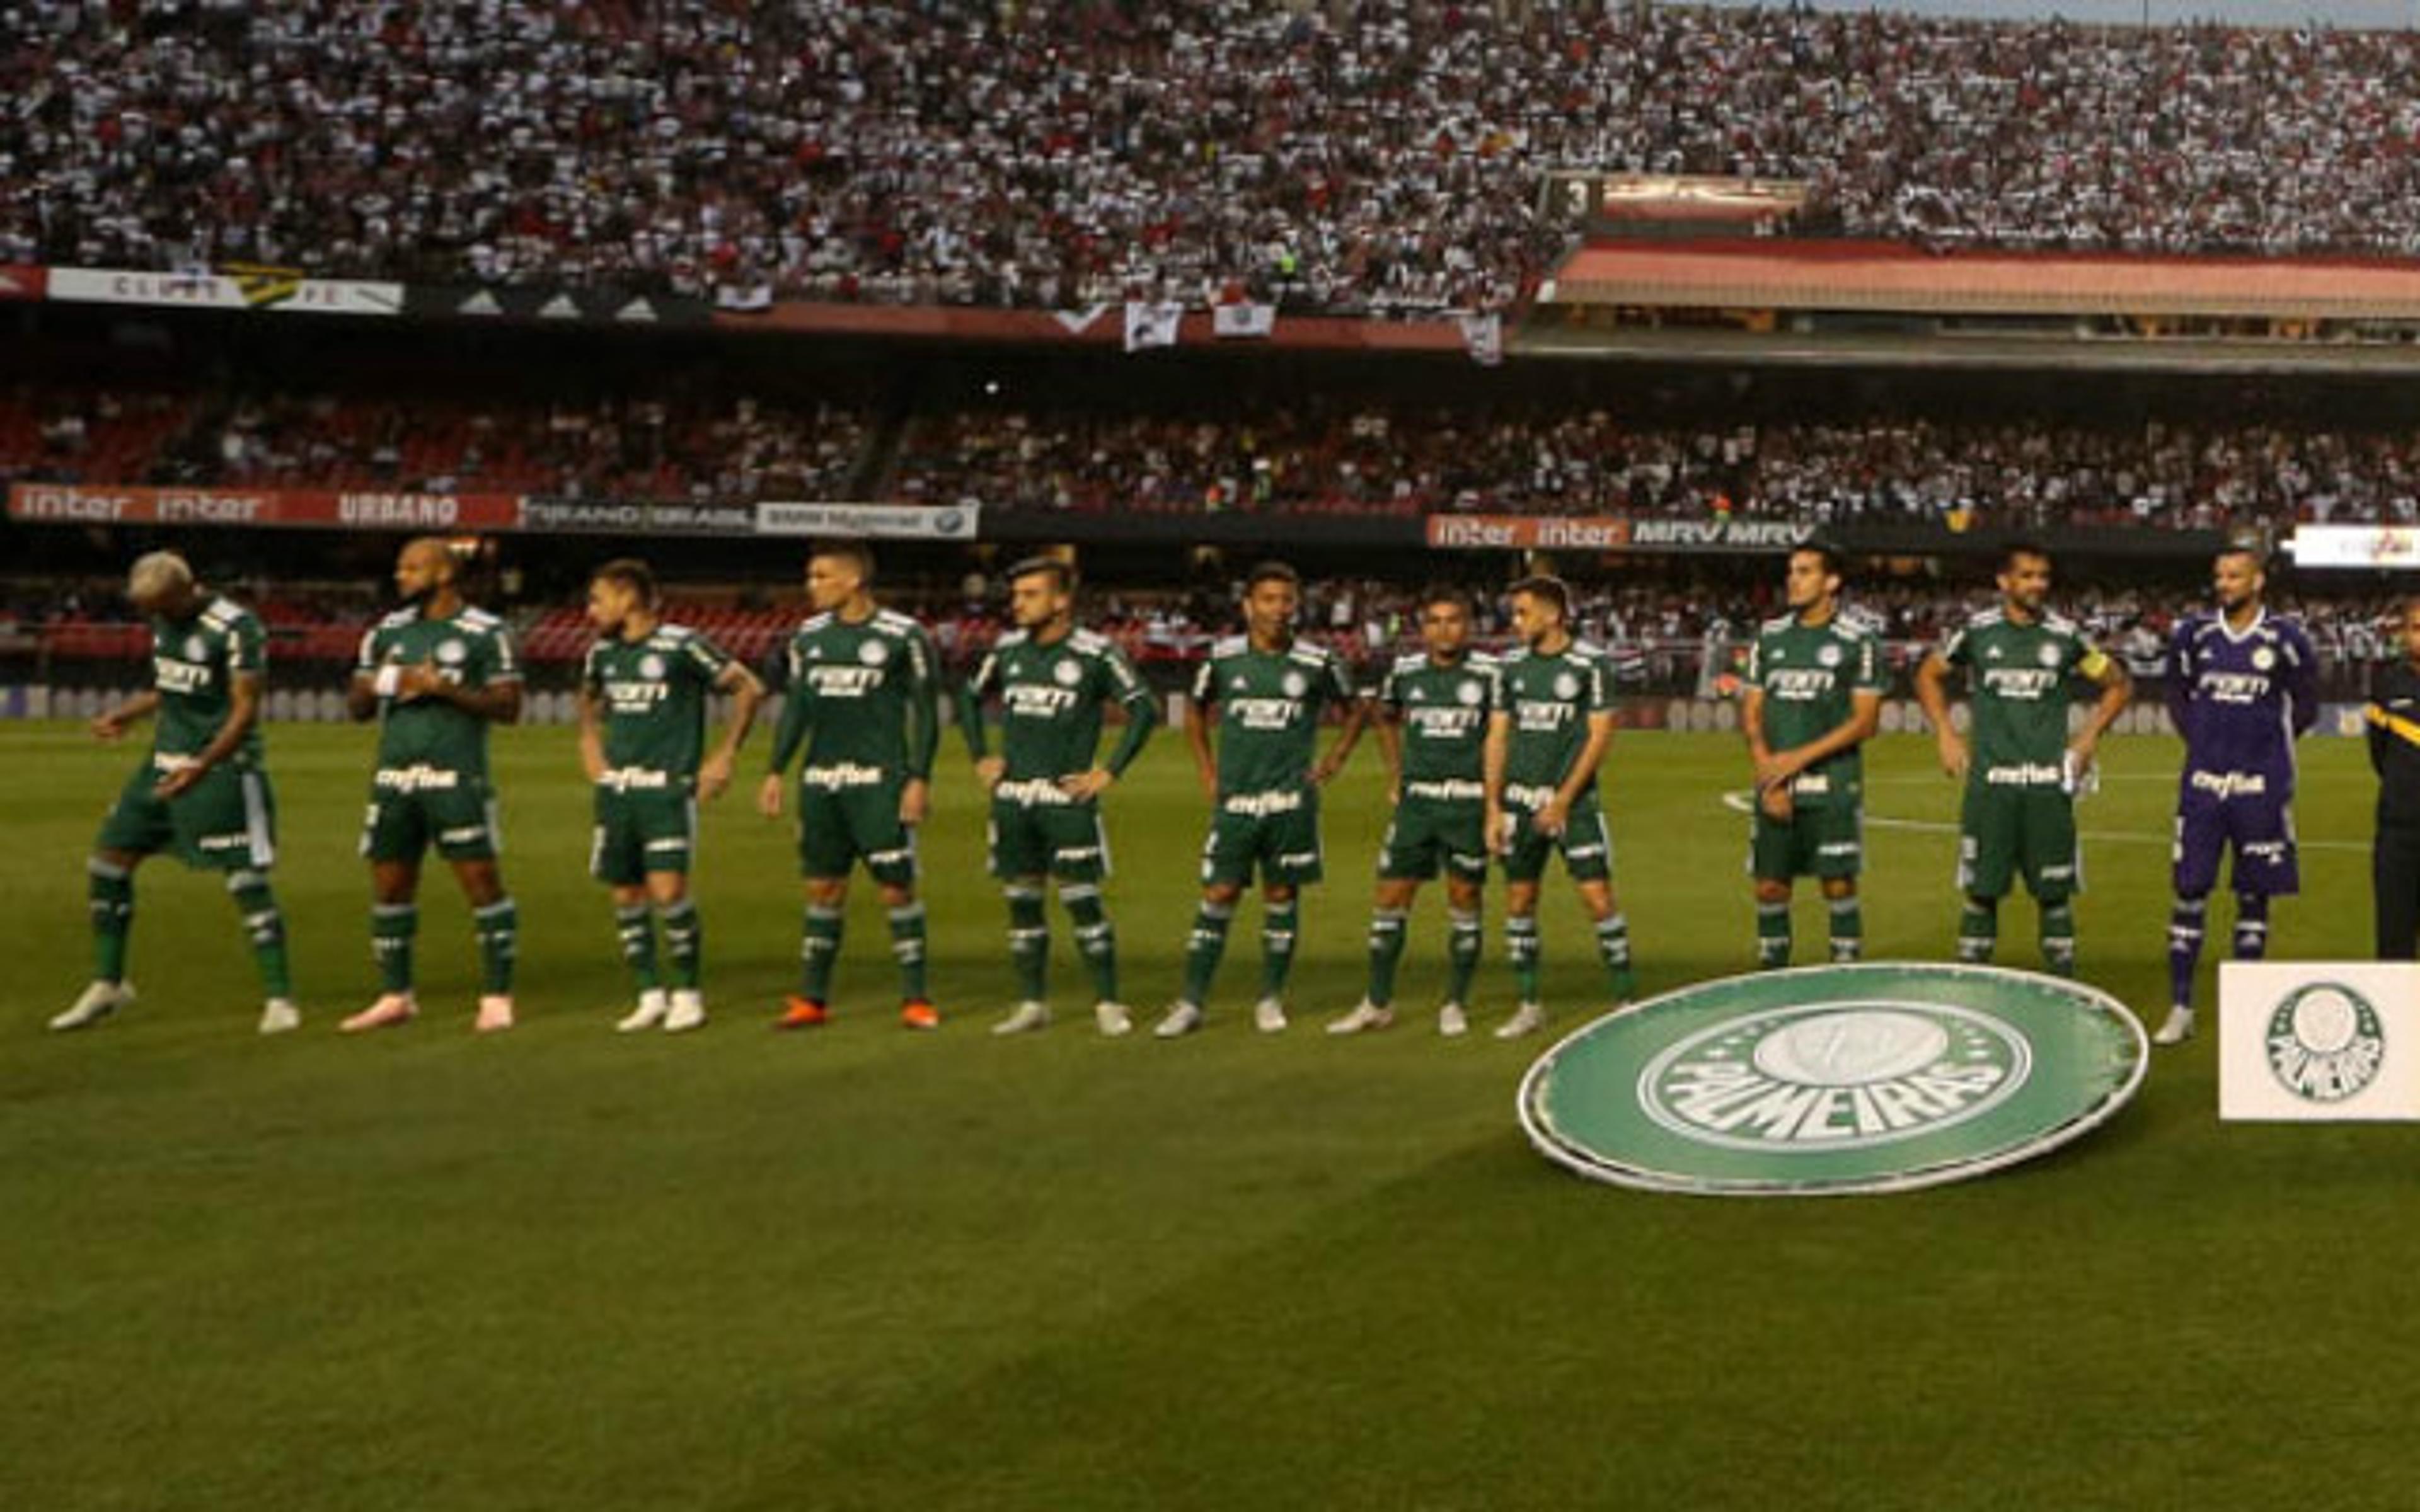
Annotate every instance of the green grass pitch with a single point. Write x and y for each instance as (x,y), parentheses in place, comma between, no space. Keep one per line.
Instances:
(862,1268)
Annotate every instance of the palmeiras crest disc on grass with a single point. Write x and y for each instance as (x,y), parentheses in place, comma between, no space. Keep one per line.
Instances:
(1876,1077)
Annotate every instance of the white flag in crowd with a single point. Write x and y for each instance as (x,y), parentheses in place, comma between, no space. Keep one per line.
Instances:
(1152,325)
(1080,321)
(1483,336)
(1244,320)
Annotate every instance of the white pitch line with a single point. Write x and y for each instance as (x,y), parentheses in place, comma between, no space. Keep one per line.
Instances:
(1740,801)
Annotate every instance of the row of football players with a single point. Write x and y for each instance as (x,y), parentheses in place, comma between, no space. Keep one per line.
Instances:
(1491,763)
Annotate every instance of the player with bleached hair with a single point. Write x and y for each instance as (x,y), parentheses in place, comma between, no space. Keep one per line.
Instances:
(203,793)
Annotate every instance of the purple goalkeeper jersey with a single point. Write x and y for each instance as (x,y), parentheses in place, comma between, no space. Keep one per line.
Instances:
(2240,698)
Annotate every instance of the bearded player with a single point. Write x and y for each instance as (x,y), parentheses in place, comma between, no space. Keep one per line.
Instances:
(2243,686)
(2021,769)
(435,674)
(1053,681)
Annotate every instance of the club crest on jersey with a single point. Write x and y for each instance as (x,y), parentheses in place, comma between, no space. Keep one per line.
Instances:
(1566,686)
(873,653)
(452,652)
(1468,694)
(1066,674)
(1829,656)
(2047,655)
(2264,659)
(196,649)
(651,665)
(1295,685)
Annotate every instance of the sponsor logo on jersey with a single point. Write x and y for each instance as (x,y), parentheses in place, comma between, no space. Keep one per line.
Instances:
(417,777)
(2230,784)
(1036,700)
(2233,687)
(2325,1042)
(1262,804)
(844,681)
(1799,684)
(172,676)
(2025,775)
(841,775)
(1266,713)
(2022,683)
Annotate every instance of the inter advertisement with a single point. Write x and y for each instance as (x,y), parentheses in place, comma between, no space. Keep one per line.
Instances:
(307,508)
(922,522)
(2318,1042)
(18,281)
(1610,532)
(233,288)
(2367,547)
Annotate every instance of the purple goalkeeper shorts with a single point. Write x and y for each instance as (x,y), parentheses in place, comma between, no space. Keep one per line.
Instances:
(2210,818)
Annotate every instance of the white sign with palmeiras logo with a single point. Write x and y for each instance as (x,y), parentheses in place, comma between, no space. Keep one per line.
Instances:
(2319,1042)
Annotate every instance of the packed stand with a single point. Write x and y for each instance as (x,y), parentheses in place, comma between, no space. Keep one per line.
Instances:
(1382,156)
(1412,461)
(636,449)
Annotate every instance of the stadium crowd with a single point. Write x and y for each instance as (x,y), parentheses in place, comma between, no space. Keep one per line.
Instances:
(1408,459)
(1366,156)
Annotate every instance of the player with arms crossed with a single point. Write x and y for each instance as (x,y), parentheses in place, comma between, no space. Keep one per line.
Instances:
(1264,691)
(1546,741)
(435,674)
(643,695)
(2021,771)
(2243,686)
(864,684)
(1432,710)
(1053,680)
(1814,697)
(203,793)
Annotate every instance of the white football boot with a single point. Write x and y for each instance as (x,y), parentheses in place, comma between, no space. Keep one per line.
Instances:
(1364,1017)
(653,1005)
(1025,1018)
(100,1000)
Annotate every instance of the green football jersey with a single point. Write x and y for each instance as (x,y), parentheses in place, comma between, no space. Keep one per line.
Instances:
(2019,675)
(194,663)
(1050,698)
(471,650)
(1443,711)
(1550,699)
(651,694)
(1810,675)
(1269,704)
(864,696)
